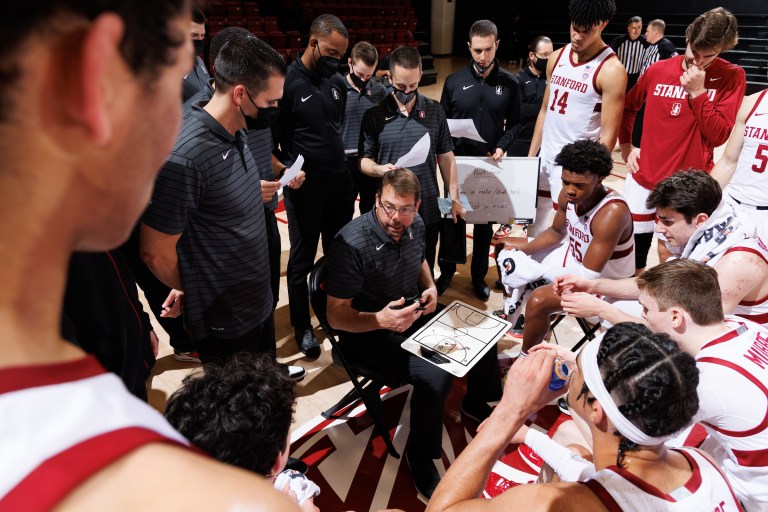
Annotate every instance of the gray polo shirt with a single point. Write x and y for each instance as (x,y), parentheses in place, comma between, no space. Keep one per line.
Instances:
(367,266)
(209,192)
(387,134)
(357,104)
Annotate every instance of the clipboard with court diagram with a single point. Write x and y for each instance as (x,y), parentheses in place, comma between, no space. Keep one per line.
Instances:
(460,335)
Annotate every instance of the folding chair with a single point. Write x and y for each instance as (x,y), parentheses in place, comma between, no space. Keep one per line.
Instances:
(368,389)
(589,331)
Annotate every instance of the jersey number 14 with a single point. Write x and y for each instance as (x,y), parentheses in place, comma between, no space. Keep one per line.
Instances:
(562,102)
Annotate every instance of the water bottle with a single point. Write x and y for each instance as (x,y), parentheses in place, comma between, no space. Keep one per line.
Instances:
(561,372)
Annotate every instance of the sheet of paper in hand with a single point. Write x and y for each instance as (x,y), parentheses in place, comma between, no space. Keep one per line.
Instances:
(457,337)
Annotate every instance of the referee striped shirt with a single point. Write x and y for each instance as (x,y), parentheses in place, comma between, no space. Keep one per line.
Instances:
(209,192)
(387,134)
(630,52)
(367,266)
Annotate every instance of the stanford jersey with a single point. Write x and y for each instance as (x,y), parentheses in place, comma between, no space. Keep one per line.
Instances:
(63,423)
(733,407)
(574,108)
(749,184)
(706,490)
(622,261)
(678,132)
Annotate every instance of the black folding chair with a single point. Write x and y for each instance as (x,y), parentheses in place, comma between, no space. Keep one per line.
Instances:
(590,331)
(369,387)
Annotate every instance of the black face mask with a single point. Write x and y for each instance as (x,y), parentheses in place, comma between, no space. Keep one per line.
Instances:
(267,116)
(198,43)
(326,66)
(359,82)
(481,70)
(541,65)
(404,97)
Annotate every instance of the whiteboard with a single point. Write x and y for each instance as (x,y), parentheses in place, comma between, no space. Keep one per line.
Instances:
(501,192)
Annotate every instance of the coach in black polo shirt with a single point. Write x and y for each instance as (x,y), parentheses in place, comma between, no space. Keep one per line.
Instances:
(392,127)
(310,125)
(362,94)
(375,262)
(487,94)
(204,230)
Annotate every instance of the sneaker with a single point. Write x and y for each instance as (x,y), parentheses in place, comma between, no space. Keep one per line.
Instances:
(517,329)
(424,474)
(442,283)
(186,357)
(503,231)
(475,410)
(297,465)
(294,372)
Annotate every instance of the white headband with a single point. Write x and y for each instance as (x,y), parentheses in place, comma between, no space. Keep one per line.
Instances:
(594,381)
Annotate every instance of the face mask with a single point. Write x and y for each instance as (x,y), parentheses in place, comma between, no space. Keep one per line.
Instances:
(326,66)
(481,70)
(404,97)
(267,116)
(359,82)
(541,65)
(198,43)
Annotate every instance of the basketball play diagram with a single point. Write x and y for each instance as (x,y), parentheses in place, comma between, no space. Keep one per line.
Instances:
(460,333)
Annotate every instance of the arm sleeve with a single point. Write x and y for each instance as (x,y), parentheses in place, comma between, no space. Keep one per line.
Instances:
(345,270)
(511,118)
(632,103)
(715,119)
(568,466)
(178,191)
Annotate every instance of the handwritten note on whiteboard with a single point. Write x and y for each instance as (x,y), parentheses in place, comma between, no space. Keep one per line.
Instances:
(502,191)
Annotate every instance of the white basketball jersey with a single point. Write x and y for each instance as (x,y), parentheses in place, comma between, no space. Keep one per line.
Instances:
(706,490)
(749,184)
(735,366)
(622,261)
(574,102)
(756,311)
(62,423)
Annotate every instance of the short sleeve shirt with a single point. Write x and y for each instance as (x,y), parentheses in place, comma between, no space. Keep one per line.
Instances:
(387,134)
(209,192)
(357,104)
(367,266)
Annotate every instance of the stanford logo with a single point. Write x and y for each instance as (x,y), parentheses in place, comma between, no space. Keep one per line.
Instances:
(422,114)
(499,89)
(585,76)
(368,92)
(676,107)
(335,94)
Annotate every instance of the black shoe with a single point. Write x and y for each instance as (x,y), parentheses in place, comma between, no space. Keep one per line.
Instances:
(475,410)
(442,283)
(308,343)
(499,285)
(481,289)
(297,465)
(424,474)
(294,372)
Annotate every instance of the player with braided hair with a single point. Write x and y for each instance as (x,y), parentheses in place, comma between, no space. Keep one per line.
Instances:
(634,390)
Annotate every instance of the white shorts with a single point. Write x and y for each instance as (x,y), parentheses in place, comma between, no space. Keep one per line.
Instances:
(758,217)
(551,178)
(643,219)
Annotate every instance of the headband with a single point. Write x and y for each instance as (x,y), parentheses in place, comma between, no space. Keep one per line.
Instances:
(594,381)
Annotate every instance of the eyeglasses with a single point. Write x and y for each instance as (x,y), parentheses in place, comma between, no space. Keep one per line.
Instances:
(543,55)
(389,210)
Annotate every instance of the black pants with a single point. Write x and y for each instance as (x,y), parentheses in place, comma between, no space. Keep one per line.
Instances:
(156,292)
(260,340)
(482,234)
(274,250)
(381,351)
(317,208)
(364,185)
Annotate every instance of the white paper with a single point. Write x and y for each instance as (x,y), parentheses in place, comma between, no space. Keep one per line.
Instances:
(292,171)
(445,204)
(417,155)
(464,128)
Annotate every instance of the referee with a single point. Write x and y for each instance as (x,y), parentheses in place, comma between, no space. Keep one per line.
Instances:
(629,48)
(392,127)
(487,94)
(311,113)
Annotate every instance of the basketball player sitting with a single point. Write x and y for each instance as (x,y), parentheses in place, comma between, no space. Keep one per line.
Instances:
(634,390)
(591,235)
(697,225)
